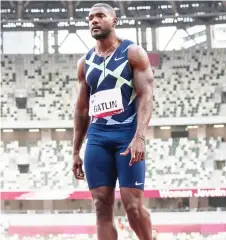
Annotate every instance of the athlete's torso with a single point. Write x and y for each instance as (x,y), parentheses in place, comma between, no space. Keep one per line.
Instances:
(113,73)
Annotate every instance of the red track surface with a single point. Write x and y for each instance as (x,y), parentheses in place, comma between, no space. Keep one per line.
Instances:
(44,230)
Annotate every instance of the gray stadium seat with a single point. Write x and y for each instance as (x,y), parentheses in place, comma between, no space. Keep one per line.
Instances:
(185,84)
(175,163)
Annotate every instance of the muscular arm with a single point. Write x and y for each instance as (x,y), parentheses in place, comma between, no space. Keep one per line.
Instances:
(81,117)
(143,83)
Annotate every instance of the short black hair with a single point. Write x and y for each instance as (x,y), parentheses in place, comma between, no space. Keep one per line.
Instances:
(107,6)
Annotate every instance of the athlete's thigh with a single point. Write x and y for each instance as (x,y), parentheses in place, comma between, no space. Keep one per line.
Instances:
(129,176)
(99,166)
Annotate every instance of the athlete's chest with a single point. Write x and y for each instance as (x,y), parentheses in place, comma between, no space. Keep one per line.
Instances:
(107,73)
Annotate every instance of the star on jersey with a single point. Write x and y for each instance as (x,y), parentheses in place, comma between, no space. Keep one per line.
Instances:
(116,65)
(111,121)
(116,73)
(133,96)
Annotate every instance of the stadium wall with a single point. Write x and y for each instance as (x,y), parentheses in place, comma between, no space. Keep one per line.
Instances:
(187,222)
(153,122)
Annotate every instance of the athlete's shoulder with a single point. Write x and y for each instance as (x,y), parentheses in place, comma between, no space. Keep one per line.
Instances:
(89,53)
(137,55)
(126,44)
(136,49)
(81,61)
(81,67)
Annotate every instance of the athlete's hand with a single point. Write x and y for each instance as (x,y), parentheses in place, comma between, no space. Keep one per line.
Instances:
(77,167)
(137,150)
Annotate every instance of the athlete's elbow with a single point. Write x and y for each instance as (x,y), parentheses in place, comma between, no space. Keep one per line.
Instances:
(81,112)
(145,93)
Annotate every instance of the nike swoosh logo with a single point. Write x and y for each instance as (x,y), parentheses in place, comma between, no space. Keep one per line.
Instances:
(116,59)
(137,184)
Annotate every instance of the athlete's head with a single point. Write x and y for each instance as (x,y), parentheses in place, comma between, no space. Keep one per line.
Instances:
(102,20)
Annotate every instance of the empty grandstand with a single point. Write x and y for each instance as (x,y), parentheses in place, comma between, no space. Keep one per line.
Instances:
(185,188)
(186,84)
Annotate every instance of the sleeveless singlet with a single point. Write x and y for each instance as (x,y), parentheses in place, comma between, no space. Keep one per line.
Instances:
(112,96)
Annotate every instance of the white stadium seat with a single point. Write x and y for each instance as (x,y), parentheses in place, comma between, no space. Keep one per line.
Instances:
(186,84)
(175,163)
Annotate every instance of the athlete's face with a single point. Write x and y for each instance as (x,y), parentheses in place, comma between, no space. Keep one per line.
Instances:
(101,22)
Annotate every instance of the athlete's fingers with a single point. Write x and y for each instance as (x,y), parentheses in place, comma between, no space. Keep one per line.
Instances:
(78,171)
(126,152)
(79,178)
(80,175)
(133,157)
(142,156)
(138,156)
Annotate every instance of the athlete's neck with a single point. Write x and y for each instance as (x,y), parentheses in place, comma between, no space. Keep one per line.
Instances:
(104,44)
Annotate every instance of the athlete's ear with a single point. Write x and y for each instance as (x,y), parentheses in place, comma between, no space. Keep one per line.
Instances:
(115,22)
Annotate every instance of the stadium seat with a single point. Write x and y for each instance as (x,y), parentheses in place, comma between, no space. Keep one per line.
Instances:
(186,84)
(175,163)
(181,163)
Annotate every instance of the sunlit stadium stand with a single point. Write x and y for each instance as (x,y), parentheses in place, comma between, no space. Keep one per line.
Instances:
(186,84)
(187,81)
(175,163)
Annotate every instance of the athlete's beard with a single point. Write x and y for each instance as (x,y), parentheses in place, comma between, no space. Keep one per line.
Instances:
(104,34)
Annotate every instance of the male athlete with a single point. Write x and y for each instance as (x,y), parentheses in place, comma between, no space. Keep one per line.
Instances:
(113,110)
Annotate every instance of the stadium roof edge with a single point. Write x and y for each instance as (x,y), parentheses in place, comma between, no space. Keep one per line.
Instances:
(51,15)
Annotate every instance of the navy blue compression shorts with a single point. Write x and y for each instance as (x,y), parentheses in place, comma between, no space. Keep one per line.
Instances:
(103,162)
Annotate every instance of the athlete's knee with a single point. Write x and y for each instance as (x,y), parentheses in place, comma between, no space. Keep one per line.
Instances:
(104,207)
(146,212)
(132,201)
(136,210)
(133,210)
(104,210)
